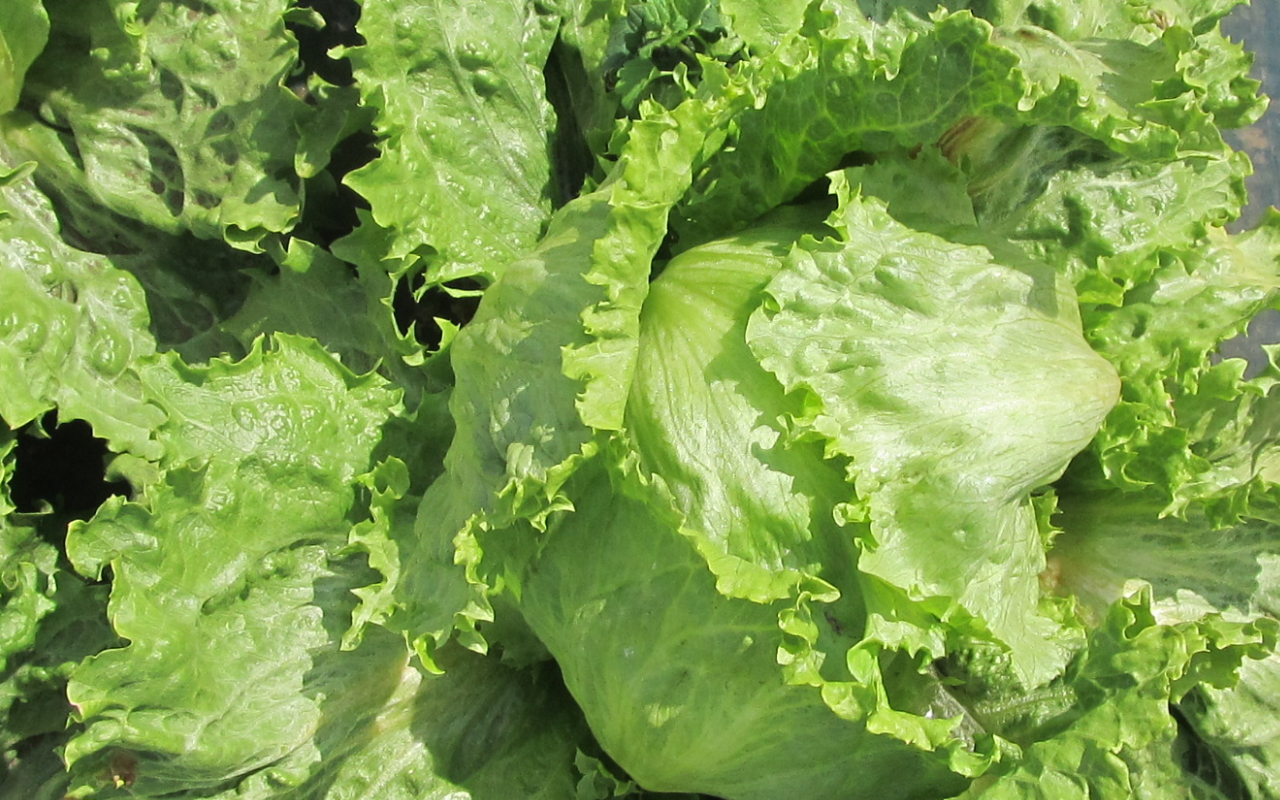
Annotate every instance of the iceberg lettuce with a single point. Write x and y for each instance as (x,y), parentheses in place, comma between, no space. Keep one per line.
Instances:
(581,399)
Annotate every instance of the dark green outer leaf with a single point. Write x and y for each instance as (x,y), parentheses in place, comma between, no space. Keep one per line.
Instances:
(842,86)
(174,114)
(24,29)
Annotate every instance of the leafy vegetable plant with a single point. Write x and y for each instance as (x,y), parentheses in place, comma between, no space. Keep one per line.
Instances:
(596,398)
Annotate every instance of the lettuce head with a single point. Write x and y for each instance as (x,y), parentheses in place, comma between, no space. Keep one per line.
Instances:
(573,399)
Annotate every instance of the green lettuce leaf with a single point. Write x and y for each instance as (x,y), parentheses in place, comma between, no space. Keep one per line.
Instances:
(1139,20)
(764,25)
(1136,241)
(577,71)
(318,296)
(50,620)
(852,86)
(24,30)
(232,565)
(710,421)
(1183,423)
(1192,570)
(57,619)
(1117,737)
(175,115)
(681,684)
(1106,223)
(548,358)
(917,358)
(190,284)
(842,86)
(846,413)
(72,327)
(1163,290)
(480,731)
(771,516)
(1191,564)
(463,180)
(1238,741)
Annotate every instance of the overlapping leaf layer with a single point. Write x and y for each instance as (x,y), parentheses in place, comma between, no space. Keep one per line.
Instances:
(585,399)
